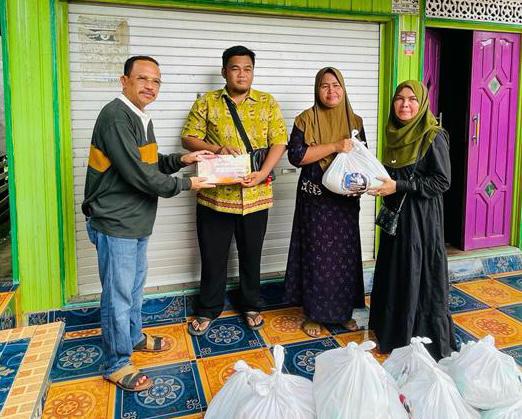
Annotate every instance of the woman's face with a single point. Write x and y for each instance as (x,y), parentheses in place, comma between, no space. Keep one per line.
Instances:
(406,104)
(330,91)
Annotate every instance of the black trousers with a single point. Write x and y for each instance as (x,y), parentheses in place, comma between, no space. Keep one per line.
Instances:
(215,231)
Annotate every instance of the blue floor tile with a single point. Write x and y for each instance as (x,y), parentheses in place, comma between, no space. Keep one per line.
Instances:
(11,356)
(300,357)
(226,335)
(461,336)
(35,319)
(514,281)
(515,352)
(177,391)
(77,319)
(502,264)
(466,269)
(514,311)
(163,310)
(460,301)
(78,358)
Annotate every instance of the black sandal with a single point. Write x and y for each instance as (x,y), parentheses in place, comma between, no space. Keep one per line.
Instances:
(127,377)
(198,331)
(152,343)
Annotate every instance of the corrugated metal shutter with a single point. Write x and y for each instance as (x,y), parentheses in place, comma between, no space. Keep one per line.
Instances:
(189,47)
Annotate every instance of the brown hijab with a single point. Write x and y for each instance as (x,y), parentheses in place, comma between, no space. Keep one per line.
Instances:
(323,125)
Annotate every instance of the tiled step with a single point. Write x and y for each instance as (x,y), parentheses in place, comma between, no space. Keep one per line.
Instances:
(26,358)
(7,310)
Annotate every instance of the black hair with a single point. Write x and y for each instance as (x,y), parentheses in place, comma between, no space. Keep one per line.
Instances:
(127,68)
(238,50)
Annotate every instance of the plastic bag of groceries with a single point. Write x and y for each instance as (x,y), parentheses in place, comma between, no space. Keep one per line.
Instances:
(350,383)
(405,361)
(279,396)
(511,412)
(432,394)
(352,173)
(486,378)
(237,388)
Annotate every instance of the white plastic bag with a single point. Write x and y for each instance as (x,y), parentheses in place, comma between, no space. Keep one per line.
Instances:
(486,378)
(354,172)
(237,388)
(405,361)
(432,394)
(350,383)
(279,396)
(511,412)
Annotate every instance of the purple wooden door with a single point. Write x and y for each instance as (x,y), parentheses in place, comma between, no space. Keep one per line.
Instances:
(491,139)
(432,68)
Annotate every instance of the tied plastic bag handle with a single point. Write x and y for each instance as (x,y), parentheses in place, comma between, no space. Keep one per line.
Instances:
(418,340)
(265,386)
(365,346)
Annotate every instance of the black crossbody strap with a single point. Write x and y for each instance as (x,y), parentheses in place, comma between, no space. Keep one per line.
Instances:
(238,124)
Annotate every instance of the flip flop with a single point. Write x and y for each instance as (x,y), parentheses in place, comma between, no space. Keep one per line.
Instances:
(152,343)
(198,331)
(253,315)
(309,325)
(127,377)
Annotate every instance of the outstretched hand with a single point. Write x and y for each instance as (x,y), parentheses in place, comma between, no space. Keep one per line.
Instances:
(196,156)
(200,183)
(253,179)
(388,187)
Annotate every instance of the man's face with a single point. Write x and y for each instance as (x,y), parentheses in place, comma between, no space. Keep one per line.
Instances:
(142,85)
(239,74)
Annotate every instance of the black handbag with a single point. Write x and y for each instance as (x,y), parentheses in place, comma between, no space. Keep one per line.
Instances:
(257,156)
(388,219)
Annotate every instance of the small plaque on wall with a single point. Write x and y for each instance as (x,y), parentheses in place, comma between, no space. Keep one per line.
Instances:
(405,7)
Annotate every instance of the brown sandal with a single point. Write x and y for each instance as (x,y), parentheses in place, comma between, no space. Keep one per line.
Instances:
(152,343)
(309,325)
(127,377)
(352,326)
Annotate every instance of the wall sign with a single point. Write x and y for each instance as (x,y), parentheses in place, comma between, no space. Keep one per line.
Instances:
(405,7)
(408,41)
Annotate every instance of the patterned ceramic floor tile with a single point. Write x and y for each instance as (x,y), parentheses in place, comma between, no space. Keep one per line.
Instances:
(226,335)
(491,292)
(82,333)
(461,336)
(176,392)
(77,319)
(515,352)
(502,264)
(514,311)
(284,326)
(215,371)
(514,281)
(11,355)
(78,358)
(300,357)
(506,330)
(90,398)
(163,310)
(460,301)
(181,346)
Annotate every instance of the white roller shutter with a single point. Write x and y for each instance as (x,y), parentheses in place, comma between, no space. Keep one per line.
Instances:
(188,47)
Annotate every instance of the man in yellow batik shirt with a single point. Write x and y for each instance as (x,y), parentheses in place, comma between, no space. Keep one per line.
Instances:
(239,210)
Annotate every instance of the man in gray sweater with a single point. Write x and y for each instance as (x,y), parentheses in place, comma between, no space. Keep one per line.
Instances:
(125,176)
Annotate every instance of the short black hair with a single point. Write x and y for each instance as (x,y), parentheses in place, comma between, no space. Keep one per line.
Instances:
(238,50)
(127,68)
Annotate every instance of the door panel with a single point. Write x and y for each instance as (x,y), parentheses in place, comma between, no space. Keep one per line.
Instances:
(493,108)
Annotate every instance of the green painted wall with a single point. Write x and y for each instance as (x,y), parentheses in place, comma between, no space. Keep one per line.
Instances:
(28,41)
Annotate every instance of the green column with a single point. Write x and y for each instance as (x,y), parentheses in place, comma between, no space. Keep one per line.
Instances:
(409,56)
(30,69)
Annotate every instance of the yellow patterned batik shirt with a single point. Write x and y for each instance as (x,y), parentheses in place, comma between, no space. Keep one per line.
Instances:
(210,120)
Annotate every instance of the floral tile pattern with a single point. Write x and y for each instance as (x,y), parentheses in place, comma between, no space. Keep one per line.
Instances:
(163,310)
(514,311)
(461,336)
(514,281)
(226,335)
(285,326)
(515,352)
(214,371)
(176,392)
(501,264)
(300,357)
(11,356)
(465,269)
(491,292)
(460,301)
(506,330)
(78,358)
(88,398)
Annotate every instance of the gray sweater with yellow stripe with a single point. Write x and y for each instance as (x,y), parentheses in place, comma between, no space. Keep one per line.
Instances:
(126,174)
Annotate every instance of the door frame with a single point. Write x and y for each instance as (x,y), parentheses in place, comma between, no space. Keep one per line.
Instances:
(516,210)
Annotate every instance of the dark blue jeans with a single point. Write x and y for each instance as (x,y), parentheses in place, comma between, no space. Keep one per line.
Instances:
(122,264)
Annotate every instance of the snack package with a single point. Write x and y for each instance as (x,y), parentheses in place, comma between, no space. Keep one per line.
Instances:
(352,173)
(224,169)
